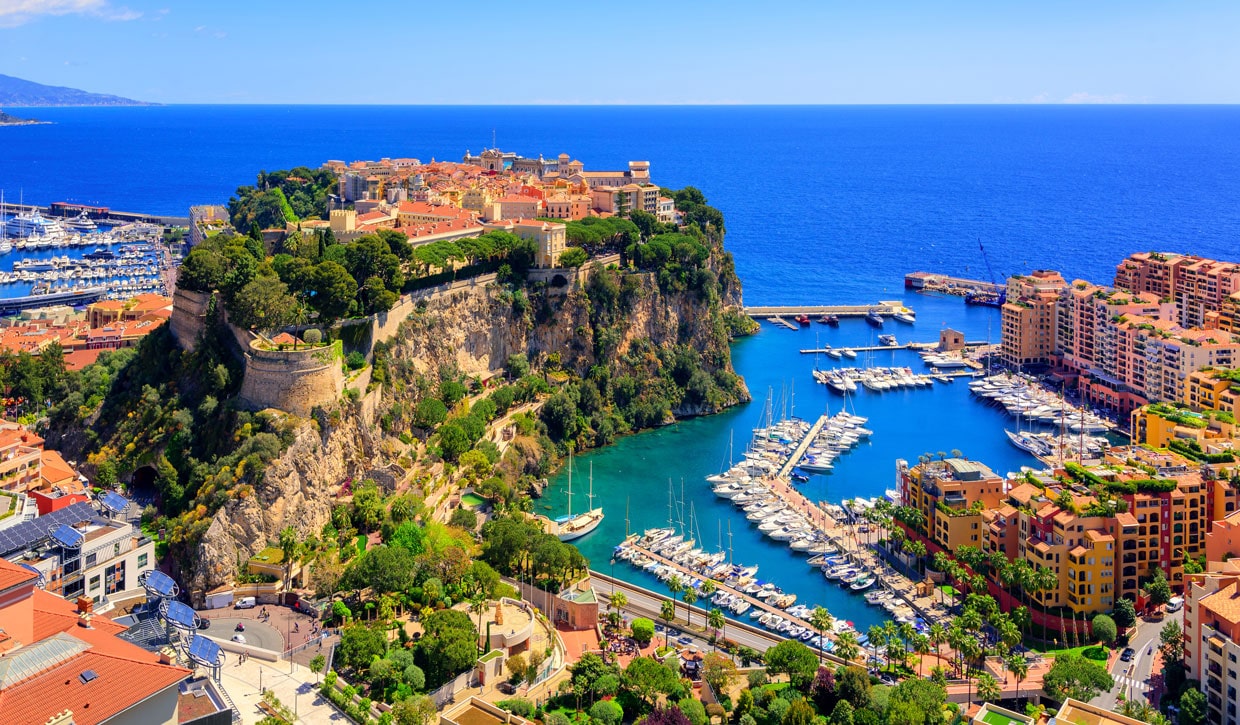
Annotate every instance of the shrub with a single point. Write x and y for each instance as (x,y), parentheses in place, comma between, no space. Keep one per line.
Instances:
(607,712)
(313,336)
(518,706)
(643,630)
(355,360)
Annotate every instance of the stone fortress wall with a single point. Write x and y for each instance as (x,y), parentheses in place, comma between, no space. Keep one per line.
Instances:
(294,381)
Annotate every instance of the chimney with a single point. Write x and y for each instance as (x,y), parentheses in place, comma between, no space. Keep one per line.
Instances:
(85,605)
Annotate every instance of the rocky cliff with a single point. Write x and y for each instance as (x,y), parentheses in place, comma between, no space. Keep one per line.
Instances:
(473,330)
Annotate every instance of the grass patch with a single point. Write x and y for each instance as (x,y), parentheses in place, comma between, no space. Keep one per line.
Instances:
(1096,653)
(361,543)
(270,555)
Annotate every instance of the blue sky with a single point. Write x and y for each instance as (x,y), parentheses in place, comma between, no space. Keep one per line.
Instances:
(466,52)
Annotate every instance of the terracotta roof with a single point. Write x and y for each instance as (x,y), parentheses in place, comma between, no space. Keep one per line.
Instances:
(1225,603)
(55,469)
(285,339)
(78,359)
(11,575)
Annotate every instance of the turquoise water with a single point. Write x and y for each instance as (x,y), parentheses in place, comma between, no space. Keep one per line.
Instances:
(635,471)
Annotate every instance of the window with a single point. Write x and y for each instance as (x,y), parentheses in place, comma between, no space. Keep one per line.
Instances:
(142,558)
(94,582)
(90,559)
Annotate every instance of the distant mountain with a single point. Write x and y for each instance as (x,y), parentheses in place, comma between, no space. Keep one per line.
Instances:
(7,120)
(19,92)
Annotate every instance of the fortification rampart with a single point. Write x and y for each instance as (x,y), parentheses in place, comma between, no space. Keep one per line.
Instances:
(189,313)
(292,380)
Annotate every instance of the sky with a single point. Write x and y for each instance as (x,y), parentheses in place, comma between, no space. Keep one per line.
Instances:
(632,52)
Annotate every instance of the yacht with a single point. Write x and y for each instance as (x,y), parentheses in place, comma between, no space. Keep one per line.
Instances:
(1029,444)
(905,315)
(570,527)
(887,340)
(81,223)
(848,353)
(874,318)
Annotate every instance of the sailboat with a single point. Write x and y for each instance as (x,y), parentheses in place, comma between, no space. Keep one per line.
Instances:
(570,527)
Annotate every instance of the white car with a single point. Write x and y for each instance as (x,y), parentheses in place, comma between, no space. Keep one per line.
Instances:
(239,638)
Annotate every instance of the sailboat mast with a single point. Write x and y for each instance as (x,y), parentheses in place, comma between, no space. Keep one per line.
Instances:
(729,542)
(590,495)
(626,517)
(570,484)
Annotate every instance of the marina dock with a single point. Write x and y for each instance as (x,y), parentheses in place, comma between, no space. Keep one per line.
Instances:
(883,308)
(801,447)
(687,575)
(945,283)
(875,348)
(781,321)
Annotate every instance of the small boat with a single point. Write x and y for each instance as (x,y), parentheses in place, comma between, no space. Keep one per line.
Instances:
(802,320)
(888,340)
(800,478)
(905,315)
(848,353)
(875,319)
(865,582)
(837,354)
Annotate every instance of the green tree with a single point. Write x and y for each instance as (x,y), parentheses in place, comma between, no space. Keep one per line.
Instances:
(1158,589)
(573,257)
(1125,614)
(607,712)
(464,518)
(331,291)
(1193,710)
(794,659)
(667,612)
(1104,629)
(416,710)
(800,713)
(853,685)
(690,598)
(916,701)
(264,303)
(645,679)
(1018,666)
(360,644)
(846,646)
(694,710)
(988,689)
(1077,677)
(1171,640)
(718,671)
(317,663)
(842,714)
(821,620)
(643,630)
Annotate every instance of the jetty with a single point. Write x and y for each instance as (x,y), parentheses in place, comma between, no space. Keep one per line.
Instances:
(948,284)
(801,447)
(874,348)
(781,321)
(884,309)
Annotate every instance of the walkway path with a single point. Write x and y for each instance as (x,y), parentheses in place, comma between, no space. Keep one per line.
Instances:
(804,445)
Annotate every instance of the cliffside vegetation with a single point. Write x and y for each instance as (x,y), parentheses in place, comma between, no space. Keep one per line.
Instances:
(281,197)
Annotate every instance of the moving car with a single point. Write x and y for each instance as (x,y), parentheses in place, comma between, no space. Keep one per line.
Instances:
(239,638)
(1127,654)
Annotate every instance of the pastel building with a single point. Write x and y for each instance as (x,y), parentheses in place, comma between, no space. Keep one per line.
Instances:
(1030,319)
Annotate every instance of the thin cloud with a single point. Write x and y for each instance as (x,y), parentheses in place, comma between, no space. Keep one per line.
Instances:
(18,12)
(1081,97)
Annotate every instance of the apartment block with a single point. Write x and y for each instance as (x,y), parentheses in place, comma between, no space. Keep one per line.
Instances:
(952,494)
(1030,319)
(1197,285)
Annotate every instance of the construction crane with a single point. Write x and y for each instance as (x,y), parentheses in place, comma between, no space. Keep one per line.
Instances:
(991,298)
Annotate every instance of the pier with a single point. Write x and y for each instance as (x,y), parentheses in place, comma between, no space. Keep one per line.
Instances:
(799,451)
(781,321)
(885,309)
(943,282)
(873,348)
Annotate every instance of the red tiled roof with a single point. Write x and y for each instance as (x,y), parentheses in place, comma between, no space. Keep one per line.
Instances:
(11,574)
(78,359)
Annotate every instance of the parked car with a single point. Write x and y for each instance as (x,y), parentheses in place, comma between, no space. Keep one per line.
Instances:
(239,638)
(246,603)
(507,688)
(1127,654)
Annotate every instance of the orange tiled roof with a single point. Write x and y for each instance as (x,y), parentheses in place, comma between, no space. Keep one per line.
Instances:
(12,575)
(1225,603)
(78,359)
(55,469)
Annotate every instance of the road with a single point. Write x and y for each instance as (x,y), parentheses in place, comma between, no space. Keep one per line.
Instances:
(1132,679)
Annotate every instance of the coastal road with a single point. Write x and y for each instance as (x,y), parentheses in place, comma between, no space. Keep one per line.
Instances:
(1132,679)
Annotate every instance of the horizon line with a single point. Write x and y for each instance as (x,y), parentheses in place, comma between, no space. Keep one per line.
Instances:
(705,104)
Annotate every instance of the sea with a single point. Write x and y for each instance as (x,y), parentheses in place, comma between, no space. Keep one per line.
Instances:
(823,205)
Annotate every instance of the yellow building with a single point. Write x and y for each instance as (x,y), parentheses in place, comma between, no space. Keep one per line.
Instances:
(1030,319)
(1091,573)
(1158,425)
(952,494)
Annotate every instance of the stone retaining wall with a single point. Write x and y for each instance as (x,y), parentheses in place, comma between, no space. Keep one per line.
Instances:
(294,381)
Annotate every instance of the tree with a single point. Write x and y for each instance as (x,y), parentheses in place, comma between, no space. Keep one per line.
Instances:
(916,701)
(448,646)
(416,710)
(853,685)
(842,714)
(1172,642)
(643,630)
(1018,666)
(464,518)
(718,672)
(429,413)
(988,689)
(670,715)
(607,712)
(820,619)
(667,612)
(1159,589)
(847,647)
(1125,614)
(800,713)
(616,603)
(264,303)
(317,663)
(690,598)
(646,679)
(794,659)
(1074,676)
(694,710)
(1193,707)
(1104,629)
(716,621)
(331,291)
(573,257)
(359,645)
(516,666)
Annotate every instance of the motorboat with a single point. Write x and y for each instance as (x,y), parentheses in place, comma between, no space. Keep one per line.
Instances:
(887,340)
(905,315)
(863,583)
(874,319)
(849,353)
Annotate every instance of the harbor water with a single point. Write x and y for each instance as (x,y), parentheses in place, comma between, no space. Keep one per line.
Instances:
(634,473)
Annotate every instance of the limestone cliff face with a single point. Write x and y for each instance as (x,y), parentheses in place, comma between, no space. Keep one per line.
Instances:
(474,329)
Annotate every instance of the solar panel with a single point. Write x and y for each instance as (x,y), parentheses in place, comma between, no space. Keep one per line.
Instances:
(67,536)
(160,583)
(180,614)
(114,502)
(204,651)
(29,534)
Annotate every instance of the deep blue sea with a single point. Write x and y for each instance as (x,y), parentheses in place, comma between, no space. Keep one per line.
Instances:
(823,205)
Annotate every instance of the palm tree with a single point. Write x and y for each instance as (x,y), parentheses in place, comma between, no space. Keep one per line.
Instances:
(1018,666)
(820,619)
(921,645)
(917,548)
(988,689)
(970,649)
(878,637)
(846,647)
(690,598)
(288,545)
(675,586)
(938,635)
(616,602)
(717,621)
(667,613)
(708,588)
